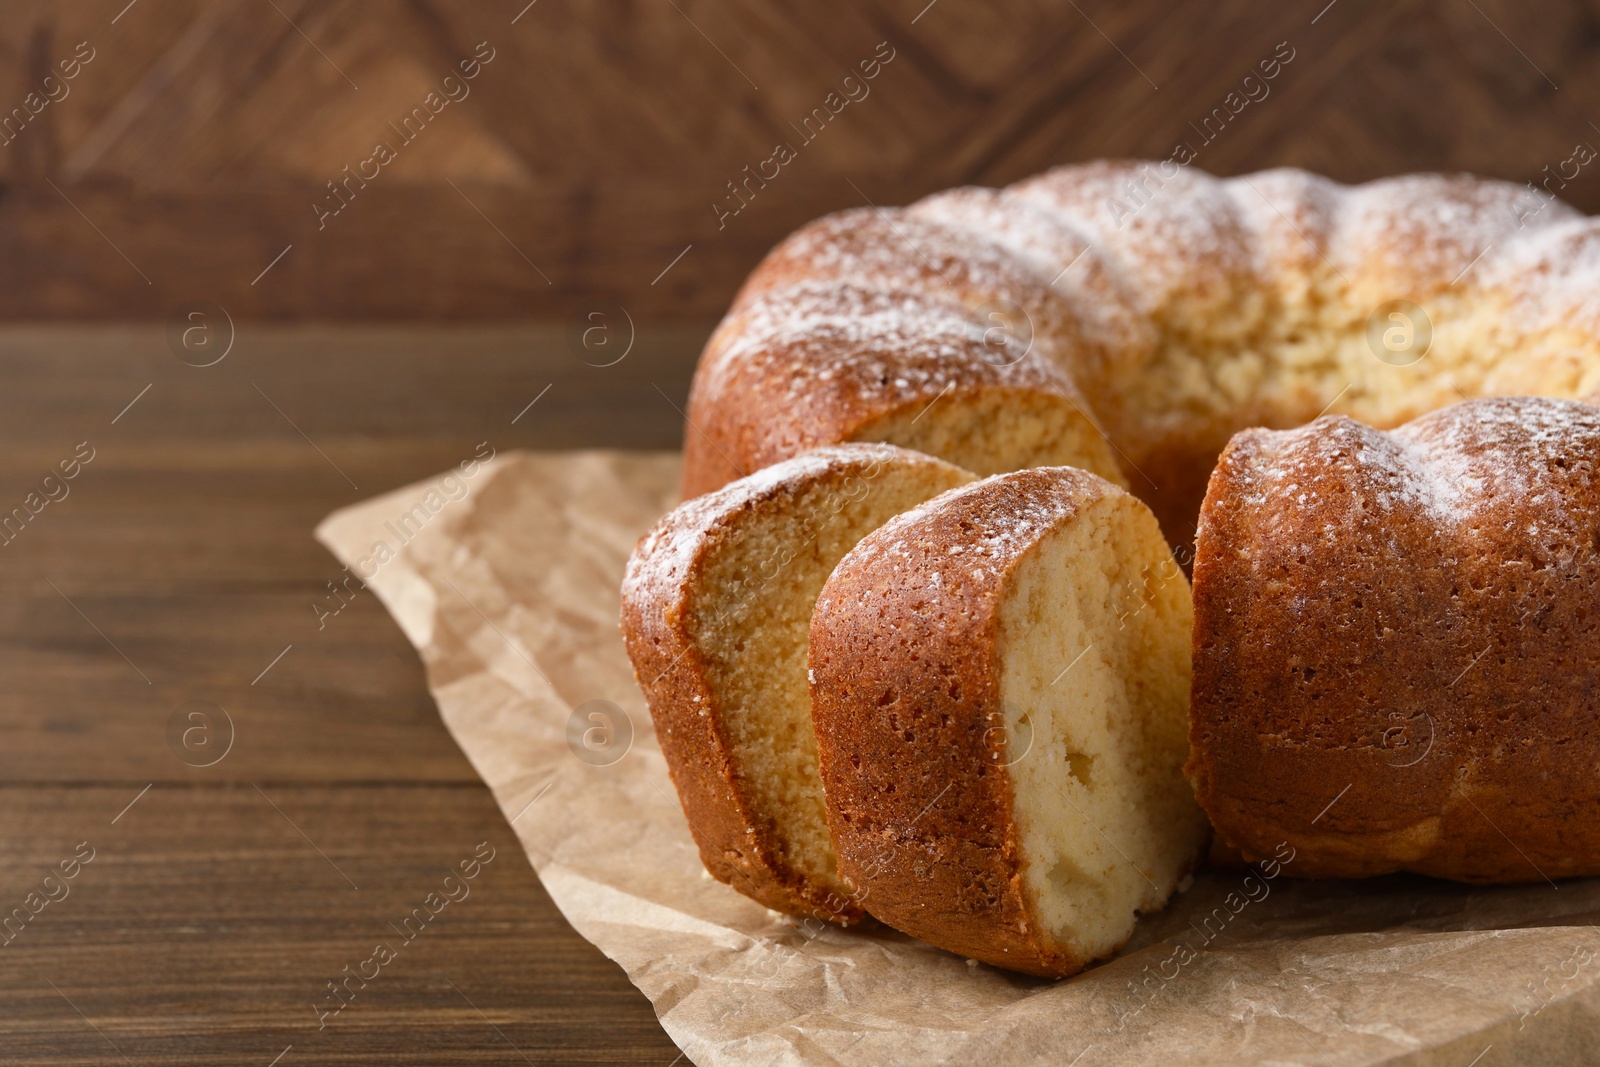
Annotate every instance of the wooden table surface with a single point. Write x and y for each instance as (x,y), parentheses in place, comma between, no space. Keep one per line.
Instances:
(180,567)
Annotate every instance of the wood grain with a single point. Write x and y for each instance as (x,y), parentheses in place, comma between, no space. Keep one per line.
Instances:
(208,924)
(178,566)
(590,151)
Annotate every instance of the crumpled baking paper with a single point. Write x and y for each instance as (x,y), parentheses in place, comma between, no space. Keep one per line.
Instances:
(505,577)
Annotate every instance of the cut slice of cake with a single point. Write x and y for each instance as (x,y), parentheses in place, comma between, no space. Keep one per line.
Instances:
(716,608)
(1000,685)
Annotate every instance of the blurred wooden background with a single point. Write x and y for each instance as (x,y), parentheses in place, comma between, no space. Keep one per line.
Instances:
(186,155)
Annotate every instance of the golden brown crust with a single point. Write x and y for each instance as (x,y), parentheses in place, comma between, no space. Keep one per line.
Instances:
(893,251)
(819,363)
(1156,291)
(854,319)
(1175,235)
(1060,254)
(905,684)
(660,603)
(1396,657)
(1414,236)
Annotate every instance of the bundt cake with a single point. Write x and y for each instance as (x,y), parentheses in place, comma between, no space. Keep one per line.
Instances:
(999,684)
(1128,318)
(715,610)
(1394,640)
(1397,644)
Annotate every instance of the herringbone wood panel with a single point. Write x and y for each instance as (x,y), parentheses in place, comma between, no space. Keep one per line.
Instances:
(591,149)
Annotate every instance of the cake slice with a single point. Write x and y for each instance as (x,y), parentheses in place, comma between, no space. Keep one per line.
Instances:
(715,611)
(1000,685)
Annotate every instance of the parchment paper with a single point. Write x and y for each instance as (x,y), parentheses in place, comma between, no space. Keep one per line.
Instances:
(509,592)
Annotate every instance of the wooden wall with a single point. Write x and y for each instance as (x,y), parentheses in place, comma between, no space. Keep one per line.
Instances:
(585,159)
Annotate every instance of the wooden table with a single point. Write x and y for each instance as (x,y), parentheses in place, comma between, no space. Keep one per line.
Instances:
(179,567)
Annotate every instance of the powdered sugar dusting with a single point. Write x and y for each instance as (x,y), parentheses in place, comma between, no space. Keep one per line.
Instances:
(894,250)
(1169,236)
(1554,276)
(884,298)
(885,347)
(660,563)
(1310,469)
(1289,214)
(1523,450)
(1185,304)
(1060,252)
(1000,516)
(1501,455)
